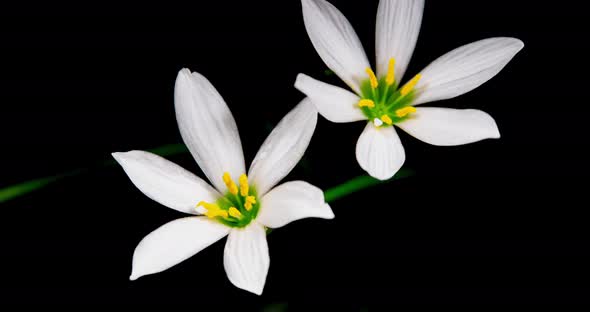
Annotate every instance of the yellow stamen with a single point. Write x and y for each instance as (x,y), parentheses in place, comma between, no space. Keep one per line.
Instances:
(219,213)
(372,78)
(409,86)
(207,205)
(249,201)
(213,210)
(386,119)
(244,188)
(231,185)
(403,112)
(235,212)
(366,103)
(390,79)
(226,178)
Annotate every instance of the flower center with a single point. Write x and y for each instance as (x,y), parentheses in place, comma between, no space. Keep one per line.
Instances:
(383,102)
(238,207)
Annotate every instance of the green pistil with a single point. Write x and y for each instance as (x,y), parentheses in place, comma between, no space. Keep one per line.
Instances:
(388,100)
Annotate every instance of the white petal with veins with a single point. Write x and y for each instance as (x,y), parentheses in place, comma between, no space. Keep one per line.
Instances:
(335,41)
(293,201)
(173,243)
(284,147)
(334,103)
(246,259)
(465,69)
(208,128)
(450,127)
(165,182)
(379,151)
(398,26)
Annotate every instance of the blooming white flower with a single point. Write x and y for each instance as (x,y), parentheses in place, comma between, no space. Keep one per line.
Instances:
(242,210)
(381,99)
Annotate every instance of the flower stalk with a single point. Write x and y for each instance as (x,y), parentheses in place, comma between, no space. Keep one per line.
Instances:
(360,183)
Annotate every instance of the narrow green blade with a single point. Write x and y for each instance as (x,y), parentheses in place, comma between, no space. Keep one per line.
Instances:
(24,188)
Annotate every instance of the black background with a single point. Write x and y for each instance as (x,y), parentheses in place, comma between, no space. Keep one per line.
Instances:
(500,221)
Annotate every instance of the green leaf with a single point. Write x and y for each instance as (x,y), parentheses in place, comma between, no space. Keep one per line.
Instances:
(24,188)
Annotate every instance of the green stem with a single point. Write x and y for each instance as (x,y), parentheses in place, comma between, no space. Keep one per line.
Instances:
(360,183)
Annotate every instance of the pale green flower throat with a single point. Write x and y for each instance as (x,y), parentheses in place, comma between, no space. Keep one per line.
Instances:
(382,102)
(238,207)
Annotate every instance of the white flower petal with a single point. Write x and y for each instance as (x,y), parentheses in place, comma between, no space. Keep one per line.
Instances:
(246,259)
(335,41)
(379,151)
(334,103)
(208,128)
(465,69)
(165,182)
(284,147)
(292,201)
(398,26)
(173,243)
(450,127)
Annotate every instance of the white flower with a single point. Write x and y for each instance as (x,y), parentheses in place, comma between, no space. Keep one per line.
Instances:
(242,210)
(381,99)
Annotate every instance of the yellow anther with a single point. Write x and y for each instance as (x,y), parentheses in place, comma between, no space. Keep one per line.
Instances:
(403,112)
(231,185)
(227,178)
(250,200)
(386,119)
(372,78)
(207,205)
(213,210)
(217,213)
(235,212)
(409,86)
(390,79)
(366,103)
(244,188)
